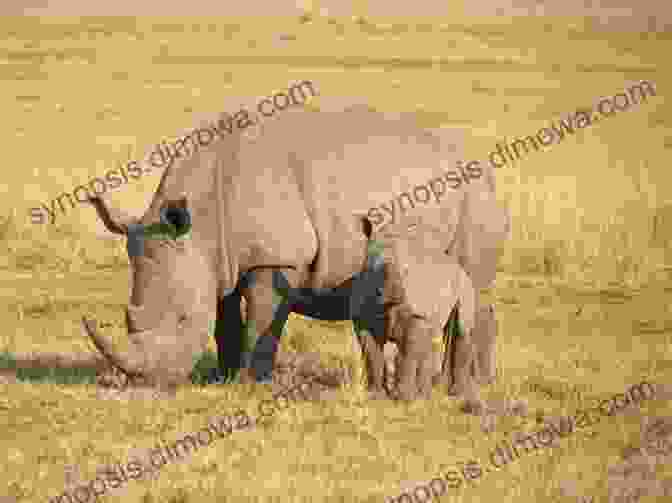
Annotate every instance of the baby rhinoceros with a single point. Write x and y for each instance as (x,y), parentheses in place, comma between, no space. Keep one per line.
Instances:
(423,289)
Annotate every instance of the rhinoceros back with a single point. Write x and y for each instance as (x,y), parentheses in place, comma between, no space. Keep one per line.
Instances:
(346,163)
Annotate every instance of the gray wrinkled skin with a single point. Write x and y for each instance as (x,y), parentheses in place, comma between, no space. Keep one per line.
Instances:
(291,200)
(422,287)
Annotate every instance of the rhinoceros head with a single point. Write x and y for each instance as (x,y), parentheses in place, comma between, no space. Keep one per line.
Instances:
(173,286)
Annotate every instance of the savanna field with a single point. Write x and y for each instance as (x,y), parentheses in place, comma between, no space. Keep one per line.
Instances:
(583,293)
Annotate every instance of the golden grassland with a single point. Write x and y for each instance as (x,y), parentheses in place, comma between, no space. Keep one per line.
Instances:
(584,293)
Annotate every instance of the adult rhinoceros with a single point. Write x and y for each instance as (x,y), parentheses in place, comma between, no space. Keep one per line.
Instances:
(289,200)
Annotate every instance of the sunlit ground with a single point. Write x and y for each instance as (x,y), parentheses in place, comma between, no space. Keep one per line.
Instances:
(584,295)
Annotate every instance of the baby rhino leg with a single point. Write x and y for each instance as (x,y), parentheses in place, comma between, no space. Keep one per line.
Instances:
(426,367)
(415,369)
(375,361)
(485,335)
(464,384)
(464,365)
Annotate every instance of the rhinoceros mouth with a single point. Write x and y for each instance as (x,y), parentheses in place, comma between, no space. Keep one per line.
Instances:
(148,357)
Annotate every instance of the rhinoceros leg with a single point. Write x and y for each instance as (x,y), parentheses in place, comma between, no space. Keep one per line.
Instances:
(464,356)
(484,336)
(267,312)
(461,363)
(412,349)
(413,335)
(483,368)
(372,349)
(229,334)
(459,359)
(426,364)
(368,317)
(484,227)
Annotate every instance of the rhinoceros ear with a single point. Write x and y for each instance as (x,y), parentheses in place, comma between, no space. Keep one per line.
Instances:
(176,214)
(367,226)
(114,220)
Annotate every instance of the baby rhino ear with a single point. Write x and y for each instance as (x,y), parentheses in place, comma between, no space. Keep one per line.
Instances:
(366,225)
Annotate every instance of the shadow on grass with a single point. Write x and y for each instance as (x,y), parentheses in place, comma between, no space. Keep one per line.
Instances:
(51,367)
(64,369)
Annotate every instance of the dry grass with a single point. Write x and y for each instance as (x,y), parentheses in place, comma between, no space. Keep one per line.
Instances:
(584,295)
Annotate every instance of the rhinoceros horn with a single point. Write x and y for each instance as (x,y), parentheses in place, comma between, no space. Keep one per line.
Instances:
(115,221)
(129,364)
(147,358)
